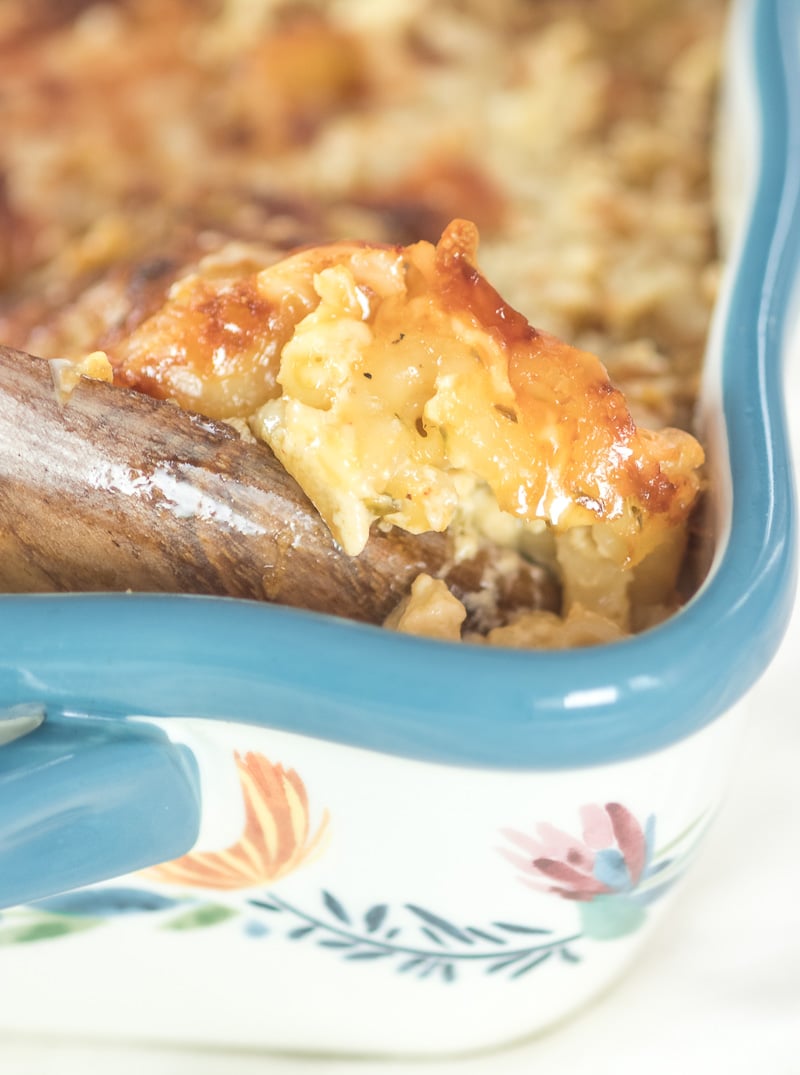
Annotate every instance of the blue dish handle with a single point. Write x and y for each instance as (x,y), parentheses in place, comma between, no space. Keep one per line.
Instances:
(86,798)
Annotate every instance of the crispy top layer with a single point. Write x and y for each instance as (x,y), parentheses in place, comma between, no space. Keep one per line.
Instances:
(389,380)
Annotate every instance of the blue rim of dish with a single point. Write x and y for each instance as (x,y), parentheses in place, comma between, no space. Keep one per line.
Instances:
(218,658)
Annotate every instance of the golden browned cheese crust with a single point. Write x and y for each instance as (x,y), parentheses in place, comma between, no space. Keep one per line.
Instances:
(386,377)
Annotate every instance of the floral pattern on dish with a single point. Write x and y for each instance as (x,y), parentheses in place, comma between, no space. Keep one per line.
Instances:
(276,838)
(610,874)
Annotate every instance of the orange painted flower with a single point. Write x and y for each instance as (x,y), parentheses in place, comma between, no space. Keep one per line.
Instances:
(276,838)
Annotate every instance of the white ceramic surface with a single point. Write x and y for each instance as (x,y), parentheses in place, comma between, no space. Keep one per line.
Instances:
(717,988)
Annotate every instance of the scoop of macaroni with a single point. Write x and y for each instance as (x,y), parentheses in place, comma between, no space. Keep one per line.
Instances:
(392,381)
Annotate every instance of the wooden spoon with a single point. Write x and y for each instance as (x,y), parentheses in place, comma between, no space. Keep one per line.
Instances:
(110,490)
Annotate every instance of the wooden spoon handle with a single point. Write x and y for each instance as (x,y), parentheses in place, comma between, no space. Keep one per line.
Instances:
(111,490)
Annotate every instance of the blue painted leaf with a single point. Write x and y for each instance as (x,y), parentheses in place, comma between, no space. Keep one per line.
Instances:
(652,895)
(335,908)
(254,928)
(433,936)
(611,870)
(448,972)
(300,932)
(531,964)
(440,923)
(656,868)
(375,916)
(509,927)
(391,933)
(509,961)
(568,955)
(330,943)
(99,902)
(431,967)
(483,936)
(410,964)
(373,953)
(265,905)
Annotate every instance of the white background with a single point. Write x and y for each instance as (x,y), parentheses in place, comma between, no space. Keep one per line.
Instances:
(716,992)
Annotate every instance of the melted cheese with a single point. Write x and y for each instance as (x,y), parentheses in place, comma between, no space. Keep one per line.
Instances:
(392,381)
(411,380)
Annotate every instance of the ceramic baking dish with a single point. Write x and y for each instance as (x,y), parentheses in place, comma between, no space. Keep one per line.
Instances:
(225,822)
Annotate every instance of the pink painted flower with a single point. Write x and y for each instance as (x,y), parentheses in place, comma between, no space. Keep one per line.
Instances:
(611,856)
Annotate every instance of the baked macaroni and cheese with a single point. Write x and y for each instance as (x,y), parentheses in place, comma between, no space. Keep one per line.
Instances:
(360,233)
